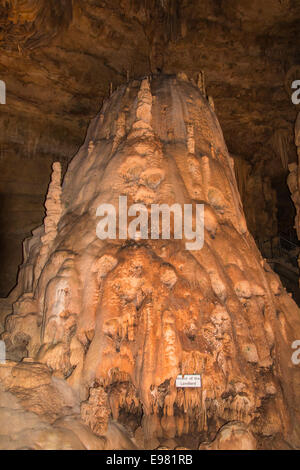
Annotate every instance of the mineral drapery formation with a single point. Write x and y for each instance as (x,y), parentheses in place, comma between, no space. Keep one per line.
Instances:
(113,322)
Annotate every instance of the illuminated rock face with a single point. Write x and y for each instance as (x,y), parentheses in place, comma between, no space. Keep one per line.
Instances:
(118,320)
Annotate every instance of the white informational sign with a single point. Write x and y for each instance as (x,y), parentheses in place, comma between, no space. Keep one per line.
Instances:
(2,92)
(2,352)
(188,380)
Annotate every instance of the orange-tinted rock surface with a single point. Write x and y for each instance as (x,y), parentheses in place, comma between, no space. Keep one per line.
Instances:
(116,321)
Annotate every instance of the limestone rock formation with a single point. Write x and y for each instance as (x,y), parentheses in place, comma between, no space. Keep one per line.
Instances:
(294,179)
(256,191)
(116,320)
(53,214)
(58,59)
(294,189)
(232,436)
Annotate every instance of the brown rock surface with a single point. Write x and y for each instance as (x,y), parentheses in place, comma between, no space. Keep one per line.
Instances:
(294,179)
(232,436)
(59,60)
(118,320)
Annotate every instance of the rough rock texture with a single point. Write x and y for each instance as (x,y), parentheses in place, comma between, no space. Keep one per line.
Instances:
(30,402)
(59,59)
(294,179)
(256,191)
(118,320)
(40,412)
(232,436)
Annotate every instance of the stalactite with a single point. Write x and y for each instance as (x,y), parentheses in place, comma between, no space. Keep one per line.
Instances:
(242,170)
(167,10)
(281,142)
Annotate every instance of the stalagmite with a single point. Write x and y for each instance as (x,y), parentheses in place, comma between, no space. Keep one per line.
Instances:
(114,320)
(53,213)
(211,102)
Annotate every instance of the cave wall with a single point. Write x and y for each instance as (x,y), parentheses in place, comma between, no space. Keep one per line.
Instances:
(258,197)
(294,179)
(60,61)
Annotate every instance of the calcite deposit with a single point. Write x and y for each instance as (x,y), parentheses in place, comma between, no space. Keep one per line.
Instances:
(111,323)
